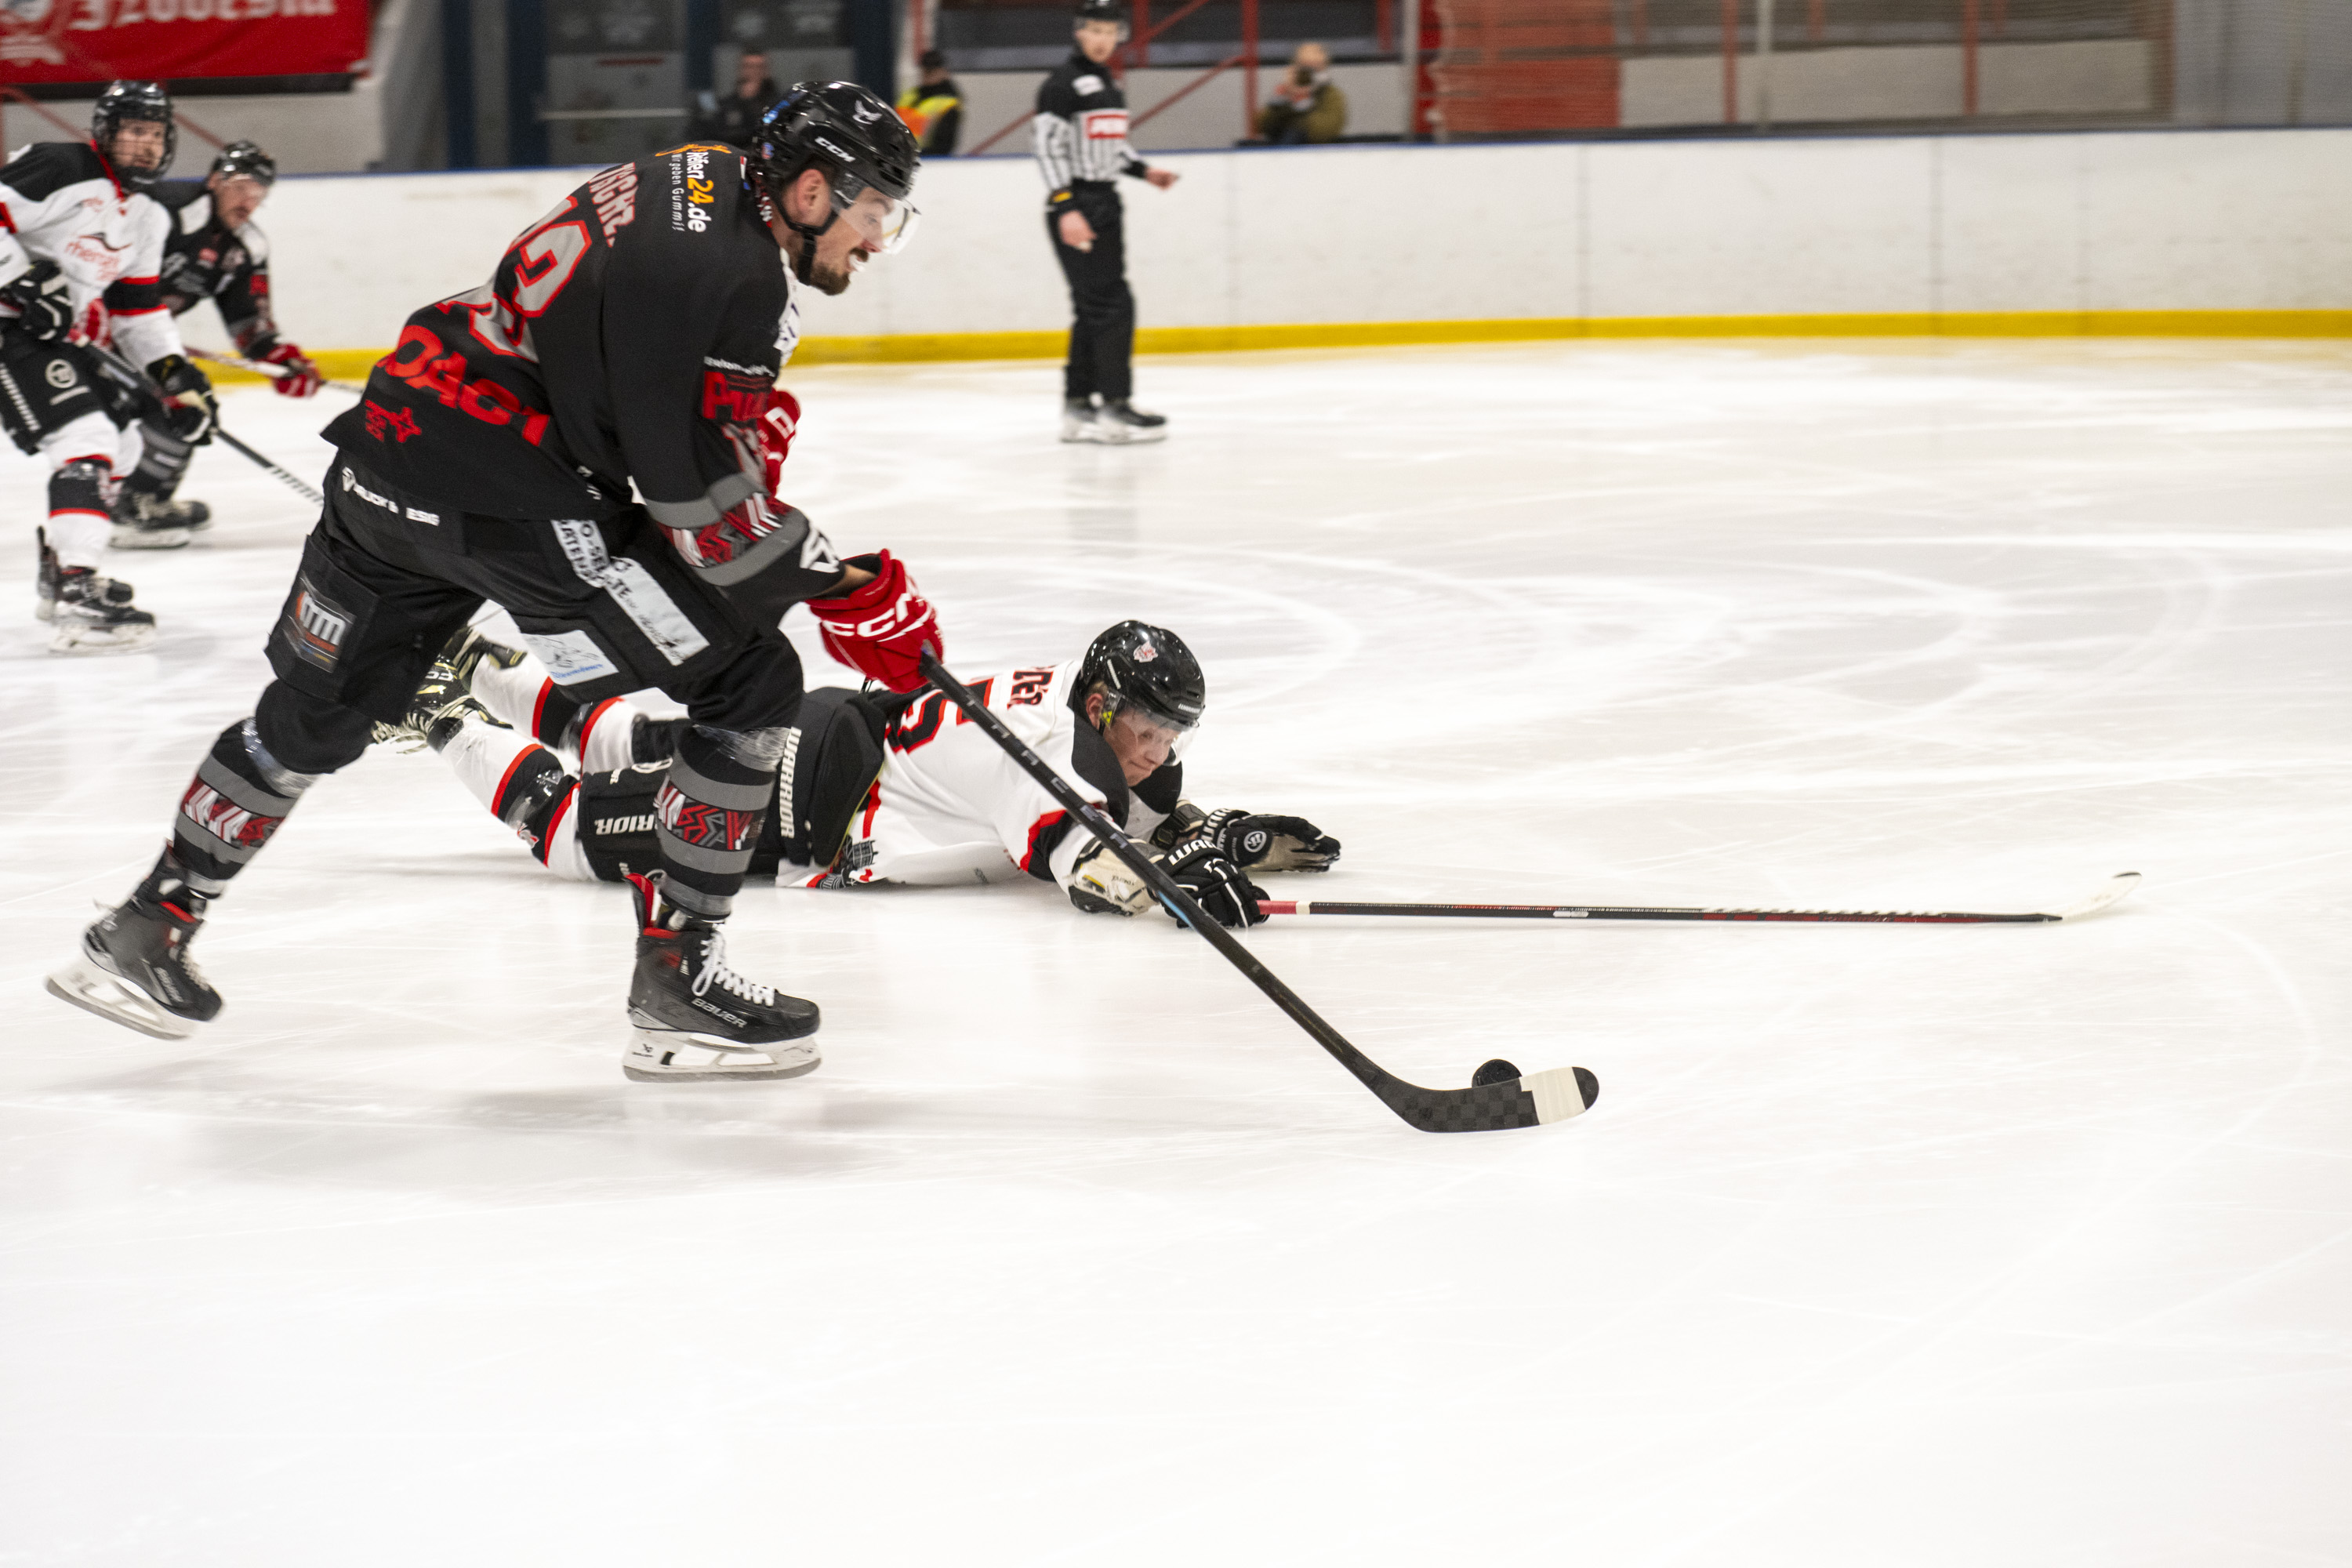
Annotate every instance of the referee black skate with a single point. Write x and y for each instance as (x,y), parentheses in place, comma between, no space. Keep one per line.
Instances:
(630,339)
(1081,139)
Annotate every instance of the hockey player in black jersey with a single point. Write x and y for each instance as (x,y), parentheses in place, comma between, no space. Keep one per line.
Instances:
(81,248)
(1080,133)
(628,342)
(212,251)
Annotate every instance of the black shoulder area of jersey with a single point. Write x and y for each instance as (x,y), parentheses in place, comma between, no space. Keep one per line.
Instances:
(1058,93)
(1163,789)
(172,196)
(1093,760)
(44,168)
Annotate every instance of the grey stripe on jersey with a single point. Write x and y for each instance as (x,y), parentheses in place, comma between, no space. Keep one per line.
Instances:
(1091,145)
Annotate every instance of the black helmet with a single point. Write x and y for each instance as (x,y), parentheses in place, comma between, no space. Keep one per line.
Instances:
(1146,666)
(1100,11)
(245,160)
(126,100)
(858,141)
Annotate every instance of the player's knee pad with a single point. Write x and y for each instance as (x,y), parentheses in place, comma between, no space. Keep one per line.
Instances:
(310,733)
(81,484)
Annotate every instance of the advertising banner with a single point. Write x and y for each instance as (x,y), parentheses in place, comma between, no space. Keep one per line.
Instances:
(99,40)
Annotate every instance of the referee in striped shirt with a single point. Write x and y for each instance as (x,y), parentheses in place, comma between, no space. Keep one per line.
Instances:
(1081,137)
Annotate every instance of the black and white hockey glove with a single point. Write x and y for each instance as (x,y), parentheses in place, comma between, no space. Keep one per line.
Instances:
(1203,868)
(38,304)
(1260,844)
(189,406)
(1101,883)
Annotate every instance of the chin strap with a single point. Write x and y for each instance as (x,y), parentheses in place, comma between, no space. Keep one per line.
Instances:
(803,264)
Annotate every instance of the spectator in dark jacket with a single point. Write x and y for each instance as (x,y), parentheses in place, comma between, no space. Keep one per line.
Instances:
(1305,106)
(734,118)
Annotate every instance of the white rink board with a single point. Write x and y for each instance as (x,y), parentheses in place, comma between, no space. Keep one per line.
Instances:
(1884,1245)
(2236,220)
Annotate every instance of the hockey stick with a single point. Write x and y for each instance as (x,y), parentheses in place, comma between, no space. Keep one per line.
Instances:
(291,481)
(2118,885)
(137,381)
(260,367)
(1510,1099)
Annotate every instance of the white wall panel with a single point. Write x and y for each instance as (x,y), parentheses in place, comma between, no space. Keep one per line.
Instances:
(2126,221)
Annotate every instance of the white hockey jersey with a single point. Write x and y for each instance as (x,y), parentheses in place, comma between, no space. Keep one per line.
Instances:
(950,806)
(59,202)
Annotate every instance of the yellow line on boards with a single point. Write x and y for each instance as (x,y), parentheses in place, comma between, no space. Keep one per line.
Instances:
(352,365)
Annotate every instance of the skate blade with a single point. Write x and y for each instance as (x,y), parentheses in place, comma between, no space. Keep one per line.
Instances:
(88,644)
(651,1059)
(149,538)
(95,989)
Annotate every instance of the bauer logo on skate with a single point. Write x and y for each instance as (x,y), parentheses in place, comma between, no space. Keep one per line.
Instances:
(316,626)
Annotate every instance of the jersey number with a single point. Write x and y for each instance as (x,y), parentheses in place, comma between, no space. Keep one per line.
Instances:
(544,263)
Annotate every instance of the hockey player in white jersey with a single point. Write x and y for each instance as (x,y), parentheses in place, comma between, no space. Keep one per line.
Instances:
(883,788)
(81,249)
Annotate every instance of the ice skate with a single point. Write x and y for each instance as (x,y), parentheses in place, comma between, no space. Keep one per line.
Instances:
(695,1018)
(469,650)
(47,574)
(143,521)
(134,969)
(441,704)
(92,614)
(1078,422)
(1123,423)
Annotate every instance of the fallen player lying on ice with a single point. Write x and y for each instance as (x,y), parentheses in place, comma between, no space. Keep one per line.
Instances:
(884,787)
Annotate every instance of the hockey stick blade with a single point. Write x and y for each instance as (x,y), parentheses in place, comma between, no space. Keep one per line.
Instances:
(1530,1100)
(2116,887)
(260,367)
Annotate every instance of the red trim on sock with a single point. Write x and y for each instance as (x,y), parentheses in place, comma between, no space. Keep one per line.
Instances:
(555,822)
(499,796)
(538,709)
(79,512)
(588,725)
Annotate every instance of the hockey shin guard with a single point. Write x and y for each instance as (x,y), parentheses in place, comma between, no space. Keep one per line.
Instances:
(238,799)
(709,811)
(81,510)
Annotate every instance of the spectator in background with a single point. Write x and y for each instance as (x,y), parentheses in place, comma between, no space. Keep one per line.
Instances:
(1305,106)
(934,111)
(735,118)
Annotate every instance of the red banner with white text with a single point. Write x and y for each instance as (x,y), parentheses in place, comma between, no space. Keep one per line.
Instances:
(99,40)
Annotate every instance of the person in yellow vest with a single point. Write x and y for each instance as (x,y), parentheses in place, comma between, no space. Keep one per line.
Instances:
(934,109)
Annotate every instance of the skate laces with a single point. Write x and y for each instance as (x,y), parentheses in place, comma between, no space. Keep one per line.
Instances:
(715,971)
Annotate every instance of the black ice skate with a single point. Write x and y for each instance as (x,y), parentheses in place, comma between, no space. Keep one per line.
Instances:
(441,704)
(1078,420)
(469,650)
(143,521)
(694,1017)
(92,614)
(47,574)
(135,967)
(1121,423)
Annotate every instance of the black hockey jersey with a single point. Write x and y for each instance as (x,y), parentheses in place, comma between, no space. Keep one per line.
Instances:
(633,334)
(204,260)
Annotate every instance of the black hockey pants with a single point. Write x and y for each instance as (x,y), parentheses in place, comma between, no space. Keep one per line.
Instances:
(1102,332)
(385,581)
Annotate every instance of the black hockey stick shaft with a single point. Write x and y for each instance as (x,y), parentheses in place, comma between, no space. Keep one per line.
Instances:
(1635,913)
(1431,1110)
(139,381)
(291,481)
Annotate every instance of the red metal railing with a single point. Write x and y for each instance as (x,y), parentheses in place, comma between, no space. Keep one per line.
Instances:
(1137,51)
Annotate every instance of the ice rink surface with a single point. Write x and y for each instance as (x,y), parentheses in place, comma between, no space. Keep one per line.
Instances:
(1884,1245)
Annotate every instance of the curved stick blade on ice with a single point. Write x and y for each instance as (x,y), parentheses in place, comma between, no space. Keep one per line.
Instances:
(2115,888)
(1488,1106)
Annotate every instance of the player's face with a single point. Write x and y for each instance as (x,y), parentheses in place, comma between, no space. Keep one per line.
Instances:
(1141,743)
(1096,40)
(871,225)
(235,198)
(137,147)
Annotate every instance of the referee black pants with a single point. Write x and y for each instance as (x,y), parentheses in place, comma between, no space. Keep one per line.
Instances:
(1102,328)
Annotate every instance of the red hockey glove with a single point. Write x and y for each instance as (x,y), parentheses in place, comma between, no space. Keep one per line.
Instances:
(777,427)
(300,378)
(881,629)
